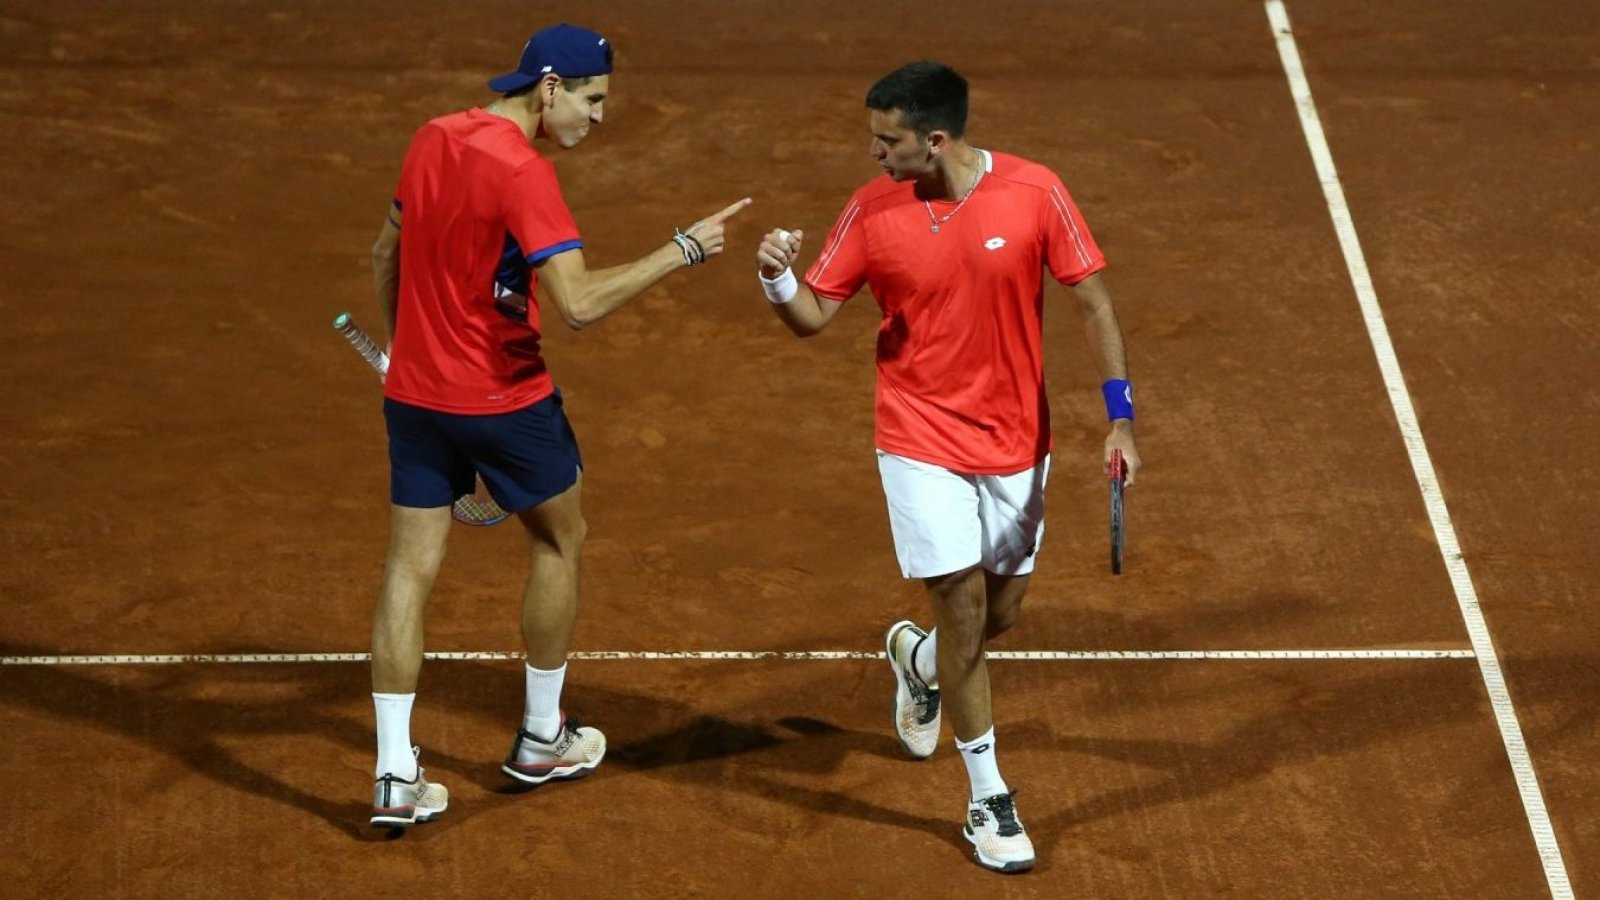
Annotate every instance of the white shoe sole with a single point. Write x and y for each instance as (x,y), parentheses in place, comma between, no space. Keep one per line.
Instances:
(1010,868)
(417,817)
(559,773)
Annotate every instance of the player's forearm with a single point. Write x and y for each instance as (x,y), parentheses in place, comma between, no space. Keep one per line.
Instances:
(1105,335)
(803,314)
(604,291)
(386,283)
(1105,342)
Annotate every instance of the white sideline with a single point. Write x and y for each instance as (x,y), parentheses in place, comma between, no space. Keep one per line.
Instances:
(1027,655)
(1421,463)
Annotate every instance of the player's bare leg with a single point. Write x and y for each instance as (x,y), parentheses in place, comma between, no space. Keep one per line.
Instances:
(966,614)
(551,745)
(1005,594)
(402,795)
(960,612)
(550,600)
(416,548)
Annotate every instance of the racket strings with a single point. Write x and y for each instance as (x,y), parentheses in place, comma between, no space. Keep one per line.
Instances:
(478,511)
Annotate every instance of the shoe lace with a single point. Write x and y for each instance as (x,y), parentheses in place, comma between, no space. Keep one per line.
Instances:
(569,726)
(1004,810)
(925,698)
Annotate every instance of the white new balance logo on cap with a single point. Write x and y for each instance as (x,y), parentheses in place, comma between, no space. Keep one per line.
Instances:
(994,243)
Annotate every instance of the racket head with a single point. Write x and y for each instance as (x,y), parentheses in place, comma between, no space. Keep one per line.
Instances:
(478,508)
(1119,477)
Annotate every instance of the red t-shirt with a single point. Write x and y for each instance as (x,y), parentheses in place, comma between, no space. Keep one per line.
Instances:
(960,362)
(479,208)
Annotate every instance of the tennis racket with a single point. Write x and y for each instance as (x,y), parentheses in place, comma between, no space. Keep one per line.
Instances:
(476,508)
(1119,476)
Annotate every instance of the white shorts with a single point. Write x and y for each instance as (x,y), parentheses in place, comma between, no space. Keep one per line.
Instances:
(946,521)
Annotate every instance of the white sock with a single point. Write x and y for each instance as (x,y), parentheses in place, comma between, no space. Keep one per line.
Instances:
(983,770)
(925,659)
(394,736)
(541,714)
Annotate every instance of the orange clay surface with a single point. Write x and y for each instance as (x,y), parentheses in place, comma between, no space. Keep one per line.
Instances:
(191,462)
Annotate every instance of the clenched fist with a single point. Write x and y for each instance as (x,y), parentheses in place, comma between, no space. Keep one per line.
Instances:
(778,251)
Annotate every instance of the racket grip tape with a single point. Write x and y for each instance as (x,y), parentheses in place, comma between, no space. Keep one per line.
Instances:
(363,344)
(1119,469)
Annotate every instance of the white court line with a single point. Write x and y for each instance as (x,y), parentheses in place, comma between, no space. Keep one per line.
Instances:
(1027,655)
(1544,836)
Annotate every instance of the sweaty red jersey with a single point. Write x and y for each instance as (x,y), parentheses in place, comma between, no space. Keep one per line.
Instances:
(479,208)
(960,362)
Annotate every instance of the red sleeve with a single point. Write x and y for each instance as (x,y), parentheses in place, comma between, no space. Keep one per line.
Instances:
(1069,249)
(536,213)
(841,270)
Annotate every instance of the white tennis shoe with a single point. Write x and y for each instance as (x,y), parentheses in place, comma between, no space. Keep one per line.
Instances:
(996,834)
(571,754)
(398,804)
(916,704)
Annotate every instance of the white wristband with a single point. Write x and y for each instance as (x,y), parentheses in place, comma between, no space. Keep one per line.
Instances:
(782,289)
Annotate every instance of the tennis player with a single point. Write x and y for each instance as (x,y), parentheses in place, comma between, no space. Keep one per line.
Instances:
(954,242)
(468,394)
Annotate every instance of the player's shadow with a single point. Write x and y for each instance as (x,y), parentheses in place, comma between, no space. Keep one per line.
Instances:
(190,714)
(178,711)
(1337,717)
(650,734)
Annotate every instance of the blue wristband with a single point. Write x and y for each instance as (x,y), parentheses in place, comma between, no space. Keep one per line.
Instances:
(1119,399)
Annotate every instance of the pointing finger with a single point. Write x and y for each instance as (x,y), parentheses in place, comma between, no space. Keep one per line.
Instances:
(723,216)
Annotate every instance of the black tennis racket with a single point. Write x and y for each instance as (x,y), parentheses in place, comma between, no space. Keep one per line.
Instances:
(476,508)
(1119,478)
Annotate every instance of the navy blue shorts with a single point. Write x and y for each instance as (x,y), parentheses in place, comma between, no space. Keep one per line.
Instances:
(524,457)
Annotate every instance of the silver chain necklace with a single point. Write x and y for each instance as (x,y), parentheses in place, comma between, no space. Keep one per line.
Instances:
(936,221)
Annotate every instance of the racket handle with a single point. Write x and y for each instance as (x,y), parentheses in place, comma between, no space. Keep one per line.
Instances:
(358,339)
(1119,469)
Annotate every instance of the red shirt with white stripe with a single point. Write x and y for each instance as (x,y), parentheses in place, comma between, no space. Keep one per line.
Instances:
(479,208)
(960,358)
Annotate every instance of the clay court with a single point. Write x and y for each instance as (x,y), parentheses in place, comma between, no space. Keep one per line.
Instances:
(1334,553)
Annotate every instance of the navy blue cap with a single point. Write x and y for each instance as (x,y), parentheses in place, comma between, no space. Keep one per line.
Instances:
(564,50)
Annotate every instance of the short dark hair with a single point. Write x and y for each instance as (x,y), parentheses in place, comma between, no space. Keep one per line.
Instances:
(569,84)
(930,97)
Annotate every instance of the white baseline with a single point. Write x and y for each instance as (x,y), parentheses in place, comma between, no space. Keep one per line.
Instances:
(157,659)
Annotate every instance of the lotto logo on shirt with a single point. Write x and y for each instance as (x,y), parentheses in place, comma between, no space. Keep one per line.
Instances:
(994,243)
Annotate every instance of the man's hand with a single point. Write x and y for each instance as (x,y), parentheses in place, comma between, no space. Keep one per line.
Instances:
(1121,438)
(778,251)
(710,233)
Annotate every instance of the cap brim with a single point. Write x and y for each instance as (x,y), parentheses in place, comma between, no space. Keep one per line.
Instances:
(511,81)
